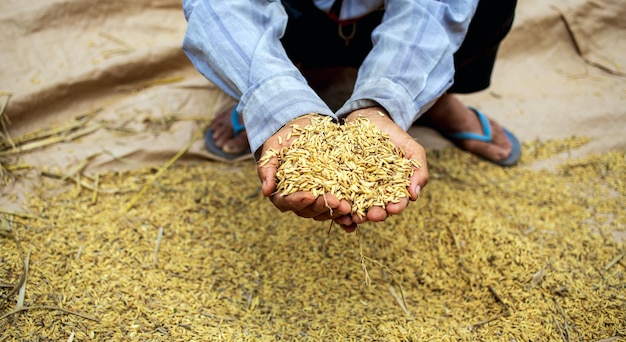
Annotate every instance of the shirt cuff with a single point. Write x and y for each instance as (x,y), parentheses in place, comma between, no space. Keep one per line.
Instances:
(397,101)
(385,93)
(267,108)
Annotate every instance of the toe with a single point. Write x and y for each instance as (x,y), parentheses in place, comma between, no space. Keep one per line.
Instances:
(500,148)
(235,145)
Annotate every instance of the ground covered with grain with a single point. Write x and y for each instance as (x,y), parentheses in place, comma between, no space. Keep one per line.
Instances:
(486,253)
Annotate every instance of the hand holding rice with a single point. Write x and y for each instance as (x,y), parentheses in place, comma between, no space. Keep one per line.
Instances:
(354,161)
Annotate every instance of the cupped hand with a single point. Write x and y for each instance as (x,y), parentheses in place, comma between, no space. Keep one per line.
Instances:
(329,207)
(412,150)
(303,204)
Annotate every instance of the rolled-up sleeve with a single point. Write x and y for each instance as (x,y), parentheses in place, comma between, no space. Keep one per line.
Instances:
(236,45)
(412,60)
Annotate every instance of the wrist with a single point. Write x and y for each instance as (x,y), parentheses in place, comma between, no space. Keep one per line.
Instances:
(376,113)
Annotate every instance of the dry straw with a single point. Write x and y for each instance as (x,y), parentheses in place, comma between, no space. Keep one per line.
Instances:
(486,254)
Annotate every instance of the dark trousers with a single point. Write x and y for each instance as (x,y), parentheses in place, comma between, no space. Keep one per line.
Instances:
(312,40)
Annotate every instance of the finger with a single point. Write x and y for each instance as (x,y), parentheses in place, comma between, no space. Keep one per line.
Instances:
(344,220)
(296,202)
(376,214)
(419,178)
(346,223)
(397,208)
(373,214)
(317,210)
(324,203)
(322,207)
(340,209)
(350,228)
(267,175)
(418,181)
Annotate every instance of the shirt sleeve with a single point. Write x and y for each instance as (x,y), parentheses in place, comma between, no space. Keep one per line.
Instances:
(411,63)
(236,45)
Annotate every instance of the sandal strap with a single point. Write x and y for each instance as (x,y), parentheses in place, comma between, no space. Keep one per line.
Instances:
(484,122)
(234,119)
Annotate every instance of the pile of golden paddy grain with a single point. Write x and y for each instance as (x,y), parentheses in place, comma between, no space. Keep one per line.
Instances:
(486,254)
(353,161)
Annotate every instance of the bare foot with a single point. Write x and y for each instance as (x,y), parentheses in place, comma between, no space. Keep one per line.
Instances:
(223,132)
(449,115)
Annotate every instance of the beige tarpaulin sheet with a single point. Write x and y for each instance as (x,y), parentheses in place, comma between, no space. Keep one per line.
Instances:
(481,255)
(117,71)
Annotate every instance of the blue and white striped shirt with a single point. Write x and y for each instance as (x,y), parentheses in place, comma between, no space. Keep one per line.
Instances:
(236,45)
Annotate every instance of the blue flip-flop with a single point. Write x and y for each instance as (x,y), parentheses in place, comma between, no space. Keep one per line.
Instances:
(516,147)
(237,128)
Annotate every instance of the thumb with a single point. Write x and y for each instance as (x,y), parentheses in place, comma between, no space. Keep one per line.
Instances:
(266,170)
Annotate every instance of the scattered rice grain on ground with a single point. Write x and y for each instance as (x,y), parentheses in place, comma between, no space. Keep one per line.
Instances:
(486,253)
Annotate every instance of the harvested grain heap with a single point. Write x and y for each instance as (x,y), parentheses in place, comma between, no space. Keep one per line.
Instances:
(485,254)
(353,161)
